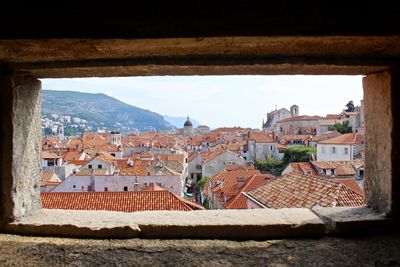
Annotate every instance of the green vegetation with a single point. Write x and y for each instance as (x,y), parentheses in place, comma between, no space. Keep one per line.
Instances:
(299,154)
(292,154)
(206,203)
(203,182)
(341,128)
(270,166)
(350,107)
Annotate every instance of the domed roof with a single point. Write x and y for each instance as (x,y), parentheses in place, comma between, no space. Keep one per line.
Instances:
(187,123)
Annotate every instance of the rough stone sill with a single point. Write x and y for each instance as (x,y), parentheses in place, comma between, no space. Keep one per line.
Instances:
(222,224)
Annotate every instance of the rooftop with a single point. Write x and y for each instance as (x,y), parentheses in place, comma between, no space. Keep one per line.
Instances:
(116,201)
(294,190)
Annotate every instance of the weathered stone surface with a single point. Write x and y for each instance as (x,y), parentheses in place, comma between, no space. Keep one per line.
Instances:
(35,251)
(201,56)
(231,224)
(26,158)
(20,145)
(356,220)
(379,109)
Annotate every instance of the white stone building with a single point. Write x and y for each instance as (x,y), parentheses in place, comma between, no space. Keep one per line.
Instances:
(117,183)
(344,147)
(260,146)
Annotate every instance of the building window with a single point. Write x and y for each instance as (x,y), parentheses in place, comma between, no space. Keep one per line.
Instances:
(106,189)
(125,188)
(113,154)
(74,186)
(346,150)
(100,166)
(90,166)
(333,150)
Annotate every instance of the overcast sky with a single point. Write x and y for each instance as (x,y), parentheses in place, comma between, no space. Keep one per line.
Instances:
(224,100)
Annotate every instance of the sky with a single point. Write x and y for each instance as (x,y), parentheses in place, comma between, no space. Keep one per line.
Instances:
(224,101)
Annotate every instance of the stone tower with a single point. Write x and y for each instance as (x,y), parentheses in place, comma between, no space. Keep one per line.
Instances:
(187,127)
(116,138)
(294,110)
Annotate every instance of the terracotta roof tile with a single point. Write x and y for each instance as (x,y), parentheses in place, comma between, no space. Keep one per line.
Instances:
(341,167)
(261,137)
(352,184)
(303,168)
(349,138)
(116,201)
(240,201)
(48,155)
(47,179)
(295,190)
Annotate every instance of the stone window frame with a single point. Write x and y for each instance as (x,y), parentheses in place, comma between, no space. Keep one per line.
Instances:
(21,213)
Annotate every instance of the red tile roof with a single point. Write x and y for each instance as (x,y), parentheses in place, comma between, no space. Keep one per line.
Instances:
(72,155)
(303,168)
(295,190)
(207,156)
(351,183)
(341,167)
(46,179)
(238,167)
(48,155)
(349,138)
(325,135)
(261,137)
(116,201)
(240,201)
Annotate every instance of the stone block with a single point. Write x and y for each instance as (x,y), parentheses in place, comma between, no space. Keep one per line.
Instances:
(355,220)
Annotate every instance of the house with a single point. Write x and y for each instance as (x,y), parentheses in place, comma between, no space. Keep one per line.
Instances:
(50,159)
(223,186)
(147,200)
(49,181)
(295,190)
(322,137)
(215,161)
(344,147)
(300,167)
(261,145)
(294,139)
(103,161)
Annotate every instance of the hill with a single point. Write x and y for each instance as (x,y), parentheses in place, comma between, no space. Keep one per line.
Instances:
(100,111)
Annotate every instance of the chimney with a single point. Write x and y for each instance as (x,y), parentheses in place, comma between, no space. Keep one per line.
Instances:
(240,181)
(92,178)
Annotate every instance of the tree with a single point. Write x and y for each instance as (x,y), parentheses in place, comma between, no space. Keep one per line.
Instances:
(299,154)
(270,166)
(341,128)
(350,107)
(203,182)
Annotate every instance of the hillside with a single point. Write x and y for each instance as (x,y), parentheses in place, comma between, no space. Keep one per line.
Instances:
(100,111)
